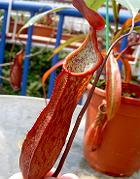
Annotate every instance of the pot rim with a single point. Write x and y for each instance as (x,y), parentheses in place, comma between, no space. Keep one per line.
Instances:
(124,99)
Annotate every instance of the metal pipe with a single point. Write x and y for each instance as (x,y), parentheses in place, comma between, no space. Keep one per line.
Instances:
(9,16)
(27,60)
(3,41)
(39,7)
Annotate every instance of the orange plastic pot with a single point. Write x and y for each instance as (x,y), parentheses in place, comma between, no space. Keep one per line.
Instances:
(119,152)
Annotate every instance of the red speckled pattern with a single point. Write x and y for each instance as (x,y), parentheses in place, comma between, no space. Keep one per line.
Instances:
(47,137)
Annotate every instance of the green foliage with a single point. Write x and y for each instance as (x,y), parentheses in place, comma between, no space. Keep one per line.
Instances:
(132,5)
(94,4)
(133,95)
(100,84)
(38,65)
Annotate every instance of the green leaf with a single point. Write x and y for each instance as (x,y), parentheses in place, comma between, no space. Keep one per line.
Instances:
(37,17)
(132,5)
(94,4)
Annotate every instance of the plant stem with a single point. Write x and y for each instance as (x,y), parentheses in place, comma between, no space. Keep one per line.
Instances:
(115,13)
(124,50)
(121,37)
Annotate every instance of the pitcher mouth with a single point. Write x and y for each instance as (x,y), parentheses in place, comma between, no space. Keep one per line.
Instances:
(83,60)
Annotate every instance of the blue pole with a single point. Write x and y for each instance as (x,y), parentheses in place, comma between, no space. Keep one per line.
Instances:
(26,60)
(55,58)
(25,5)
(37,6)
(123,46)
(3,40)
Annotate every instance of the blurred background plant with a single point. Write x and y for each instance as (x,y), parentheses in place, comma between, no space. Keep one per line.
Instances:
(38,65)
